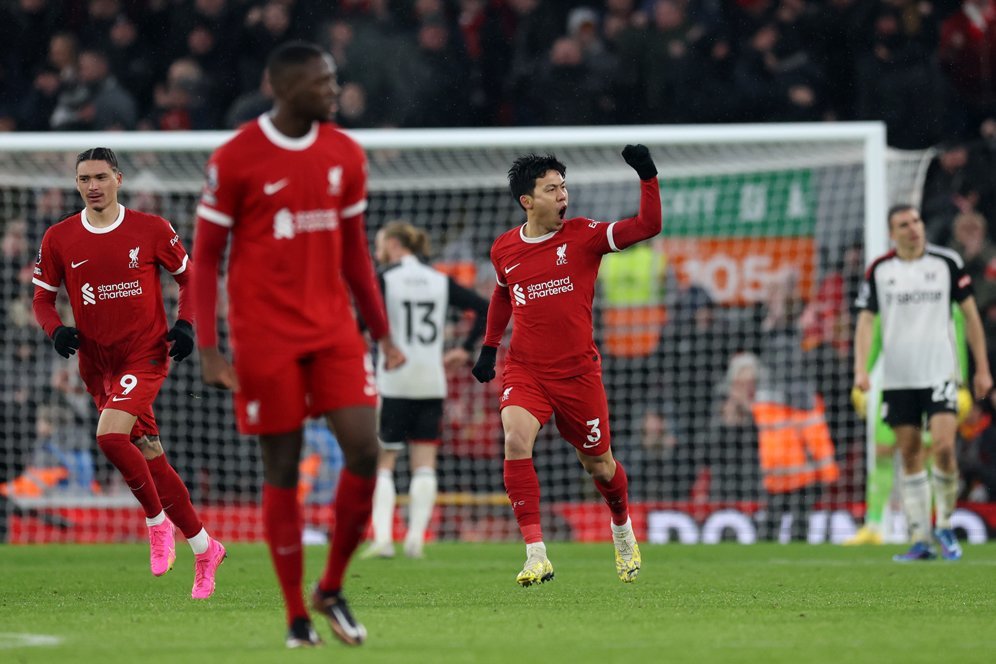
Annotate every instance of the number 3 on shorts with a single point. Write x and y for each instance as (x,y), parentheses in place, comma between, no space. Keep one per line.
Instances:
(596,433)
(128,382)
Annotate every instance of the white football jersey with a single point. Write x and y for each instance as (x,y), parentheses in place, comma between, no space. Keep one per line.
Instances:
(913,299)
(416,297)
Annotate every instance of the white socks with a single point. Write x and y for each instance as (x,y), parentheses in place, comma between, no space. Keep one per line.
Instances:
(422,493)
(200,542)
(916,504)
(945,495)
(535,550)
(624,529)
(156,520)
(383,508)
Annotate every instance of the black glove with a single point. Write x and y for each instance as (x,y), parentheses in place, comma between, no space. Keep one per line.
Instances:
(484,370)
(182,336)
(638,157)
(66,340)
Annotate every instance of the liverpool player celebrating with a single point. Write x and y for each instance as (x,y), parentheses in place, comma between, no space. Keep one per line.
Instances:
(546,272)
(290,188)
(109,259)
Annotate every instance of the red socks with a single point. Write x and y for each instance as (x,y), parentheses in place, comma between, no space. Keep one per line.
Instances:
(130,462)
(174,496)
(523,489)
(353,503)
(282,525)
(615,493)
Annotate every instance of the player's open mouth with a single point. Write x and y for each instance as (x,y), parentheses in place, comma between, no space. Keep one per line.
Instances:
(562,211)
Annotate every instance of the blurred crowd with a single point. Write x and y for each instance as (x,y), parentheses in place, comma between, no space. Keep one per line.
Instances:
(685,374)
(924,67)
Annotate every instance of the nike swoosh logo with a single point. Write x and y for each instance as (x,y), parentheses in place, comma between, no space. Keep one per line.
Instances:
(588,447)
(116,398)
(74,264)
(511,267)
(271,188)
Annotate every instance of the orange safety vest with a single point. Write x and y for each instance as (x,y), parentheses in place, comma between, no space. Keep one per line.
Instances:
(632,331)
(794,446)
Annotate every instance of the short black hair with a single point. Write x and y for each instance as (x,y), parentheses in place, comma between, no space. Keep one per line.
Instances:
(98,154)
(896,209)
(291,54)
(527,169)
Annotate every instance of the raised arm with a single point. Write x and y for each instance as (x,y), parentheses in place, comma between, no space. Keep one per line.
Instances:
(649,221)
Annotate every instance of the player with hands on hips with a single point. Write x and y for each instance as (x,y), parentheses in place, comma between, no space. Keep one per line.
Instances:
(108,258)
(546,270)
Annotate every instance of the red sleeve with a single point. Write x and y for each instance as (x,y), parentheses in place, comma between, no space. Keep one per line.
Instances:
(644,225)
(209,245)
(499,313)
(173,257)
(359,273)
(185,308)
(45,311)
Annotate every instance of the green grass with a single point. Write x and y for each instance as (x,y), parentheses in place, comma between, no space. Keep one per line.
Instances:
(726,603)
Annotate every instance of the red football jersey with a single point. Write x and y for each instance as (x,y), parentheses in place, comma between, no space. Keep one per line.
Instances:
(284,199)
(112,277)
(551,282)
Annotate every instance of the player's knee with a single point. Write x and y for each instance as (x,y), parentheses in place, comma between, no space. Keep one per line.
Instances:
(517,446)
(281,470)
(601,470)
(362,459)
(150,446)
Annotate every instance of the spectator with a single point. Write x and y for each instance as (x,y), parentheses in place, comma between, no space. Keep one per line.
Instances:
(794,443)
(971,241)
(253,104)
(954,183)
(35,111)
(485,40)
(967,52)
(97,102)
(354,113)
(265,27)
(95,33)
(732,456)
(900,84)
(181,102)
(436,79)
(63,55)
(565,91)
(131,62)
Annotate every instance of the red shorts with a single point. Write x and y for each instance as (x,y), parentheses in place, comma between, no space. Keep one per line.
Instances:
(132,389)
(578,403)
(279,388)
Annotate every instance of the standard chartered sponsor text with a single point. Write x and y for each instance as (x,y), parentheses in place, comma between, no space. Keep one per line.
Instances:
(551,287)
(119,290)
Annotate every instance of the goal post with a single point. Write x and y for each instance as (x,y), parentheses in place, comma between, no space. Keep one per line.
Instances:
(748,210)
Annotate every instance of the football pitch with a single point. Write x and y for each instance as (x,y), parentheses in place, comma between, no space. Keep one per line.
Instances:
(766,603)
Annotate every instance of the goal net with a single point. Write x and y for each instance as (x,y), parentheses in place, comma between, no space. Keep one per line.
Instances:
(729,330)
